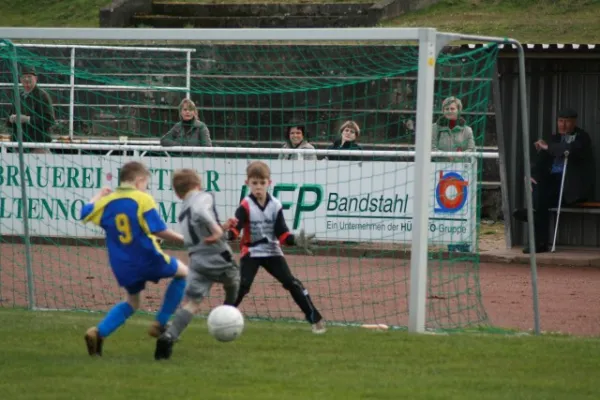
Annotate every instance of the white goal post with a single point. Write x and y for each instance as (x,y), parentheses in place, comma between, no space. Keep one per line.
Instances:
(430,42)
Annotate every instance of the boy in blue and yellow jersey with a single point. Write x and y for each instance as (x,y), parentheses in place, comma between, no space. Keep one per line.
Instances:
(132,224)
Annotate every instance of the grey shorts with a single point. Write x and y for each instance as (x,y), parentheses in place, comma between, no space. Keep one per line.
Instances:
(203,275)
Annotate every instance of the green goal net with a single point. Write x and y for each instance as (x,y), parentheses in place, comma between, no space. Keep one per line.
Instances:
(111,104)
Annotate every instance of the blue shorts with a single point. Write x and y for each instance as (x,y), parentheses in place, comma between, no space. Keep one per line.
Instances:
(154,273)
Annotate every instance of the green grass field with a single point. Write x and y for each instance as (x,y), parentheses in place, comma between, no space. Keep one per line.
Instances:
(42,356)
(533,21)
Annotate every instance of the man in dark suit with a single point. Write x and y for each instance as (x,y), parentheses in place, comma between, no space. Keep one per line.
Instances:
(37,112)
(547,173)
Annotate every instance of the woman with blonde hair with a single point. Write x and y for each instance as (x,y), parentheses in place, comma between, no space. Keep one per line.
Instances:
(349,132)
(451,132)
(189,131)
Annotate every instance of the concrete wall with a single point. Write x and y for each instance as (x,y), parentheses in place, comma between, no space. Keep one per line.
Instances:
(120,13)
(389,9)
(123,13)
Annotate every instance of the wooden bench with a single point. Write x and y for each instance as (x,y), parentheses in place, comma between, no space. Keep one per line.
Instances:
(579,225)
(588,207)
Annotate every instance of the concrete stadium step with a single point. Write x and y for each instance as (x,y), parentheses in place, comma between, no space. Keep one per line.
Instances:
(394,94)
(258,10)
(253,124)
(150,110)
(291,21)
(200,79)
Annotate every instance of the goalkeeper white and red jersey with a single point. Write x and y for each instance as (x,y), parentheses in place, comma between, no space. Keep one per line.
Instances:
(263,229)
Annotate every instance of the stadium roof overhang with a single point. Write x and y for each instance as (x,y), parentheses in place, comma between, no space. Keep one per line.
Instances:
(554,51)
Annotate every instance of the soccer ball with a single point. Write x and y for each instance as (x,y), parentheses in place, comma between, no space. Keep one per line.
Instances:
(225,323)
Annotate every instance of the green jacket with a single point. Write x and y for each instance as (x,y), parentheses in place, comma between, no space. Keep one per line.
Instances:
(194,134)
(459,138)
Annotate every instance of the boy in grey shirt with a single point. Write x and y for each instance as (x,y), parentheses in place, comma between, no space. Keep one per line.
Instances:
(211,257)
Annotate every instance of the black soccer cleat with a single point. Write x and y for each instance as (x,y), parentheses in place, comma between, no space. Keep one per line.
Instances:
(93,342)
(164,347)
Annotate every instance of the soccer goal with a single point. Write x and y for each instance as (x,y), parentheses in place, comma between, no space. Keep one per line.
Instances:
(397,223)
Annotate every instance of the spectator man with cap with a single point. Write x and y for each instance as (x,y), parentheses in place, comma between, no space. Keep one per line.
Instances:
(547,173)
(37,112)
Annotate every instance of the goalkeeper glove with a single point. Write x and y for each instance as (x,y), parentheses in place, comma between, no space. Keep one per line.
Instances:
(305,241)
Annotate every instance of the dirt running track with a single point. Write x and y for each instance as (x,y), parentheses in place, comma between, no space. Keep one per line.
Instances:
(345,289)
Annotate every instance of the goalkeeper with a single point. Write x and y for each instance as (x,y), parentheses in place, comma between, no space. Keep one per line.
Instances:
(260,217)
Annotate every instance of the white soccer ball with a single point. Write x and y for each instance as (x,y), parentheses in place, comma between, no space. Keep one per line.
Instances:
(225,323)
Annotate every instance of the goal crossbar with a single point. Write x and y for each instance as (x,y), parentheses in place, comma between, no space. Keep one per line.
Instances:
(237,35)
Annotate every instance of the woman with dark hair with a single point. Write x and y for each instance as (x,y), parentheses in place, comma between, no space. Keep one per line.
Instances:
(296,138)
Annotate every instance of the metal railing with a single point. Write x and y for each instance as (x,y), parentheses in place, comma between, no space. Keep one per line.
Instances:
(72,85)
